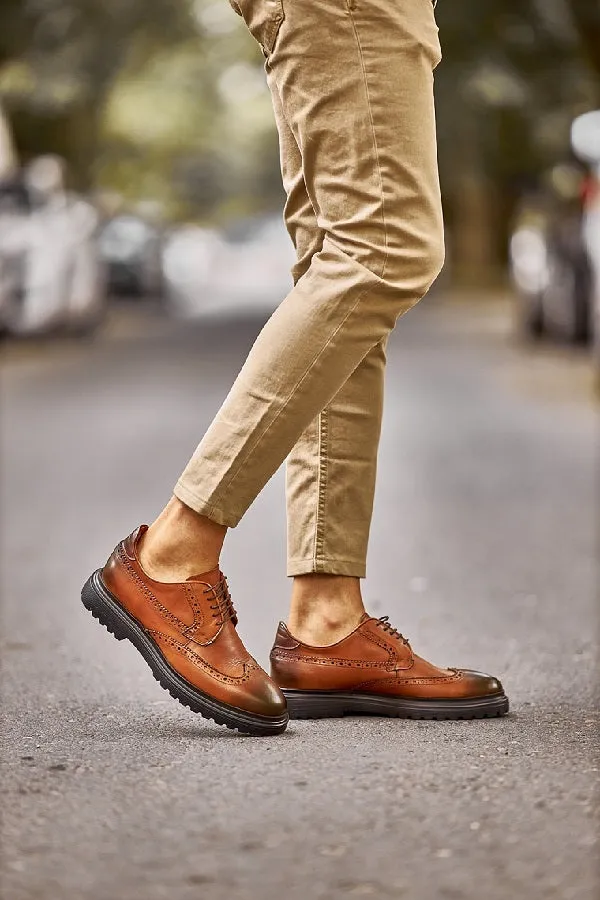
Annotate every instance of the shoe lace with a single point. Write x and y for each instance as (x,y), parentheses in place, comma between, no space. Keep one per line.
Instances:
(223,607)
(384,622)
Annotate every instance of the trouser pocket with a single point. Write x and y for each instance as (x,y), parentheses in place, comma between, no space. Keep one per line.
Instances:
(263,18)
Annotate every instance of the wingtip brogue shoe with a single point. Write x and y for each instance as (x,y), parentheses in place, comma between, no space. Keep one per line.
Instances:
(187,634)
(374,671)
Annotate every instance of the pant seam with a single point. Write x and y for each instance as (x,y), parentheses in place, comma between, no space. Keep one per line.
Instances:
(321,485)
(374,135)
(327,565)
(326,559)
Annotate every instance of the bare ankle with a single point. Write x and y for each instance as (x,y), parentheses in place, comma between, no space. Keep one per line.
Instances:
(180,543)
(325,608)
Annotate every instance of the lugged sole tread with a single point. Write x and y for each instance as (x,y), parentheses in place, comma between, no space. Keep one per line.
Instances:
(303,705)
(438,718)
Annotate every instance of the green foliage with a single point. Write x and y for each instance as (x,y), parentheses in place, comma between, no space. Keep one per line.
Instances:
(514,75)
(165,99)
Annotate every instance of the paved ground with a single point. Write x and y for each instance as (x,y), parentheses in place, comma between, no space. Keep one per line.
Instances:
(483,553)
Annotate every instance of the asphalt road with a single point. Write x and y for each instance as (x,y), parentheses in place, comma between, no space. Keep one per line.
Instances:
(483,553)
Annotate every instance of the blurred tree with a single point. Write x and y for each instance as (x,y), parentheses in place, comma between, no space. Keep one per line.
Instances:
(513,77)
(586,16)
(165,99)
(59,58)
(14,31)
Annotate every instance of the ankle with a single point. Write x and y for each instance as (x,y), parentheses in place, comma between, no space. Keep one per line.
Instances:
(325,608)
(180,543)
(322,631)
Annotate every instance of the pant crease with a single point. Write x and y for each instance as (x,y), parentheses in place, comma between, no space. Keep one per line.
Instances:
(363,66)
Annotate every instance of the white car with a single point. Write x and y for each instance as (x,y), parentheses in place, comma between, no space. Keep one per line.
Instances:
(50,272)
(246,269)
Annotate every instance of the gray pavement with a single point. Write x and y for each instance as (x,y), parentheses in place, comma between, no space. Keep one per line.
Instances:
(483,553)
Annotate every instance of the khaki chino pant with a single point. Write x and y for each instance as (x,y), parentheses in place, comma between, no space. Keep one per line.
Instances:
(352,89)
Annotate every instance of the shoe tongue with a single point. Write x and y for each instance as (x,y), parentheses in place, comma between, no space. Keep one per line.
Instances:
(364,618)
(213,577)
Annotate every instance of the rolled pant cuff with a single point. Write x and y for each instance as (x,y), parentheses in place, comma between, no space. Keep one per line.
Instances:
(204,507)
(329,566)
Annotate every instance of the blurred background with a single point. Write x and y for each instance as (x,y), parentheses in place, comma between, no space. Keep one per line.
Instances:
(138,138)
(141,249)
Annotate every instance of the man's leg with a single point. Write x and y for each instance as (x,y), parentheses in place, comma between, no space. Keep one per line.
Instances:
(336,659)
(359,102)
(331,468)
(356,88)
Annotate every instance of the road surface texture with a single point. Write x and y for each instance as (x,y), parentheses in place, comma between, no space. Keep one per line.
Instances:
(483,553)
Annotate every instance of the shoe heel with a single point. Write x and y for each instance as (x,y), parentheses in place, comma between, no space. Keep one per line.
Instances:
(93,601)
(313,705)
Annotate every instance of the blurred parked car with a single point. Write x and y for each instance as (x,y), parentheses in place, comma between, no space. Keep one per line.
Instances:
(191,256)
(261,256)
(14,212)
(131,250)
(245,268)
(585,138)
(50,273)
(14,205)
(549,260)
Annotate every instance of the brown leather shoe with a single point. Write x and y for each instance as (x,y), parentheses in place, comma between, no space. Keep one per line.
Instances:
(186,633)
(374,672)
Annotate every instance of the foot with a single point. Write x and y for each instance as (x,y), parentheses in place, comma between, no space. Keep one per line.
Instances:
(186,633)
(373,671)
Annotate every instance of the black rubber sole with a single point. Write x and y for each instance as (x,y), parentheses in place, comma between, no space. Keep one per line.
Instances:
(335,705)
(109,612)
